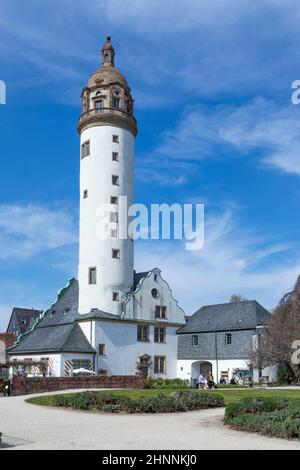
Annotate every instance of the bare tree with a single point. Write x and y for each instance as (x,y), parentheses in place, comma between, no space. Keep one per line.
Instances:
(275,344)
(237,298)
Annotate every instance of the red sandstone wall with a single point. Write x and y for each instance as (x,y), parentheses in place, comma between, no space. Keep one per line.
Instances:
(25,386)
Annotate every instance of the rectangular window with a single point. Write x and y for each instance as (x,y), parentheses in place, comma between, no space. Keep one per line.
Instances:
(85,194)
(161,312)
(114,217)
(160,335)
(114,233)
(92,276)
(116,254)
(195,340)
(78,364)
(115,157)
(116,102)
(116,296)
(228,339)
(101,349)
(85,150)
(115,180)
(98,104)
(143,333)
(160,365)
(116,139)
(114,200)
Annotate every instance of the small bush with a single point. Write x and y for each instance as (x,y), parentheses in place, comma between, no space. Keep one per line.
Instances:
(179,401)
(166,384)
(272,417)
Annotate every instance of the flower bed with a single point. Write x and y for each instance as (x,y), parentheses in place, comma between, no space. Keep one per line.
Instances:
(268,416)
(178,401)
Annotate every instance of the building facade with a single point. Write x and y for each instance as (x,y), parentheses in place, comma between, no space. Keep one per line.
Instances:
(219,339)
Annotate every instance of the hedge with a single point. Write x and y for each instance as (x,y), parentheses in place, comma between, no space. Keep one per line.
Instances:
(166,384)
(180,401)
(268,416)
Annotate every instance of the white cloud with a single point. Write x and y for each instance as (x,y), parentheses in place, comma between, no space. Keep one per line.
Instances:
(27,230)
(261,129)
(232,261)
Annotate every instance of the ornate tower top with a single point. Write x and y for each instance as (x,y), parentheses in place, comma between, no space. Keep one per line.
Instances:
(108,53)
(107,99)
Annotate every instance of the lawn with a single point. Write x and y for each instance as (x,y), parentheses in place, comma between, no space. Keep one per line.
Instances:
(229,395)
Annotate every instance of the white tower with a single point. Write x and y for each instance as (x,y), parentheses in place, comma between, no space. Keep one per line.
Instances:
(107,130)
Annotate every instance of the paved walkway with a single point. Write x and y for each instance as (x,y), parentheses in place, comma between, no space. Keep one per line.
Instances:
(34,427)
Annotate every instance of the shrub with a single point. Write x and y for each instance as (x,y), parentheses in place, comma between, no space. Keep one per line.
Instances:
(179,401)
(282,377)
(272,417)
(166,384)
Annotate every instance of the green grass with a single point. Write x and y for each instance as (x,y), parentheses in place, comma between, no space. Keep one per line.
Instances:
(229,395)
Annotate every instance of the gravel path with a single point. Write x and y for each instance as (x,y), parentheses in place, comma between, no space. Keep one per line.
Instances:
(34,427)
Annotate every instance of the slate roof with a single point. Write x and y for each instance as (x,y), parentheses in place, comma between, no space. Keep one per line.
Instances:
(57,331)
(23,319)
(245,315)
(138,277)
(54,339)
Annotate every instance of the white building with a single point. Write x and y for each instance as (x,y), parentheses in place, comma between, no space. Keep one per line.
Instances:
(112,319)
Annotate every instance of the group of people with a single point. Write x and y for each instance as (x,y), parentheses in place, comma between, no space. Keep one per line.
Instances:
(208,382)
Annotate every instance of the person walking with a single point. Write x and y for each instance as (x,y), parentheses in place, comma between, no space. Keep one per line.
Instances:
(202,382)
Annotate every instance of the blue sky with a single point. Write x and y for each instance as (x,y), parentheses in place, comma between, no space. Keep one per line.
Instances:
(212,84)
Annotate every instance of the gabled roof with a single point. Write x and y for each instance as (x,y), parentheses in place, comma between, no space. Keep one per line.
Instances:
(56,331)
(24,319)
(230,316)
(67,338)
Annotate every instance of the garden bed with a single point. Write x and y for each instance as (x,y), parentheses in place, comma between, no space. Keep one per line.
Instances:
(178,401)
(276,417)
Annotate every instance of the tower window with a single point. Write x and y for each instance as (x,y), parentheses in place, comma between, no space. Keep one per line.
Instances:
(116,139)
(85,149)
(101,349)
(114,200)
(114,233)
(114,217)
(98,104)
(115,157)
(92,276)
(195,340)
(116,296)
(115,180)
(116,254)
(116,102)
(106,58)
(85,194)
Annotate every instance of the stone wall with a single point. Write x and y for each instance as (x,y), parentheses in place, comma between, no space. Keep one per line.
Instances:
(26,386)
